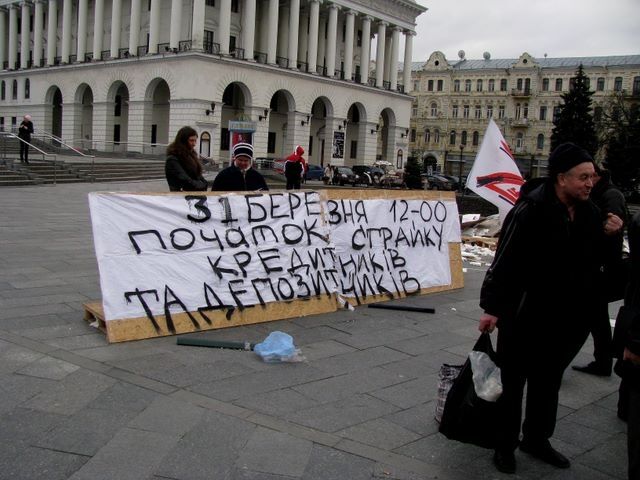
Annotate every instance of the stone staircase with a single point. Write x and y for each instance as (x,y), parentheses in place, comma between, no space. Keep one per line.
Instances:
(119,171)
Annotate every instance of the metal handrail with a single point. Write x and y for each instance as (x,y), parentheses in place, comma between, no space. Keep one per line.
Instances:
(62,142)
(40,151)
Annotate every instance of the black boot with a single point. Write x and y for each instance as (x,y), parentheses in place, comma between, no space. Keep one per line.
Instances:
(595,368)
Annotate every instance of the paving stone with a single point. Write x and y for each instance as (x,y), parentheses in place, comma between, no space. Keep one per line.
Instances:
(418,419)
(409,393)
(22,425)
(359,360)
(278,403)
(274,452)
(608,457)
(380,433)
(439,450)
(35,463)
(48,367)
(168,416)
(327,464)
(123,397)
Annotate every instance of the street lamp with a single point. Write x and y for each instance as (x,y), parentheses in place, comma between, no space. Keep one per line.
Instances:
(460,169)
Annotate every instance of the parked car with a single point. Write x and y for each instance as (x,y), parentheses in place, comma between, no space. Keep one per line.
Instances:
(343,175)
(367,175)
(314,172)
(438,182)
(455,183)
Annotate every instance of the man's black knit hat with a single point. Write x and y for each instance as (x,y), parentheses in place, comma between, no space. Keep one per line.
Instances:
(565,157)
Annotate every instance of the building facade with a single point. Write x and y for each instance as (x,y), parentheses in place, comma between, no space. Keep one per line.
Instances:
(127,74)
(453,102)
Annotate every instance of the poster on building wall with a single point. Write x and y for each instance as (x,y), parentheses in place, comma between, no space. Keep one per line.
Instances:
(338,144)
(240,132)
(175,263)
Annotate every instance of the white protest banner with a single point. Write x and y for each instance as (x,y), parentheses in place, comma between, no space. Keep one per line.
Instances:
(495,175)
(174,263)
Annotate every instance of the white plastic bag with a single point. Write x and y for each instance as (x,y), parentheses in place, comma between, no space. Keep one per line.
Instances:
(486,376)
(278,347)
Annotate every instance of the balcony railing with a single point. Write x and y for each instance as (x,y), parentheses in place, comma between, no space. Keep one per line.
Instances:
(521,92)
(282,62)
(143,50)
(88,57)
(123,53)
(303,66)
(184,45)
(237,52)
(211,47)
(372,81)
(105,54)
(260,57)
(322,70)
(520,122)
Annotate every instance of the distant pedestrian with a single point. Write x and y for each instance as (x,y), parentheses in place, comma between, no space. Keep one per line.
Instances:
(294,168)
(328,174)
(609,200)
(183,168)
(24,133)
(240,176)
(549,253)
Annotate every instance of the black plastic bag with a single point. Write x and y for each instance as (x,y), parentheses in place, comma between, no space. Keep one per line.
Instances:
(466,417)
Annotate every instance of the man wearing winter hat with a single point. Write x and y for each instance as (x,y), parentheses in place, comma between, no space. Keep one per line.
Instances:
(540,290)
(240,176)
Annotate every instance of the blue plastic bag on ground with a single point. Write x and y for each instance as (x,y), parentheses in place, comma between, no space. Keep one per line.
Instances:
(278,347)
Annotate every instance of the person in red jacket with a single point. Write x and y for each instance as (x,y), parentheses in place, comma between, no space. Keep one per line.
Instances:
(294,168)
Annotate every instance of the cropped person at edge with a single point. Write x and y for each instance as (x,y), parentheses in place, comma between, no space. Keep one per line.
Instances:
(183,168)
(549,253)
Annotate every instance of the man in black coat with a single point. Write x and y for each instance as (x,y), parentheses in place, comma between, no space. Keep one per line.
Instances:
(24,132)
(240,176)
(543,283)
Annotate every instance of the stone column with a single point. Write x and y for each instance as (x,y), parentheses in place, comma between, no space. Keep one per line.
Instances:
(387,58)
(294,24)
(13,36)
(249,28)
(225,26)
(176,23)
(37,32)
(395,51)
(197,26)
(81,50)
(331,40)
(154,26)
(67,5)
(382,34)
(24,35)
(322,44)
(134,26)
(98,20)
(303,40)
(273,32)
(3,36)
(365,53)
(116,26)
(312,44)
(408,54)
(348,44)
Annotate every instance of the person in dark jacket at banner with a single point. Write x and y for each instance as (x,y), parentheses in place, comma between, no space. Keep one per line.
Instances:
(183,168)
(240,176)
(610,200)
(629,367)
(24,133)
(549,253)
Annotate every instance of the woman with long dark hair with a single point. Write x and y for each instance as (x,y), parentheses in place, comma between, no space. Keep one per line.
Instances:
(183,168)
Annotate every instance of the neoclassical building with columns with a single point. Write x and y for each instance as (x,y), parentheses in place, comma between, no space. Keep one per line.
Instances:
(125,75)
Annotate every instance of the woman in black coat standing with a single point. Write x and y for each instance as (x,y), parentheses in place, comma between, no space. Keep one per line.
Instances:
(183,168)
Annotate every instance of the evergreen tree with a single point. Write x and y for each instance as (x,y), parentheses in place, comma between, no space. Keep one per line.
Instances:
(412,172)
(574,122)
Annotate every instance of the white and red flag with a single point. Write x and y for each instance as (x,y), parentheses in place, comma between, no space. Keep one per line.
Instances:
(495,175)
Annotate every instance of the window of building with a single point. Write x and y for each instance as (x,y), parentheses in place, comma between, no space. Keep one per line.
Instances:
(1,124)
(545,84)
(503,85)
(14,90)
(412,138)
(463,138)
(430,86)
(117,108)
(434,109)
(27,88)
(456,85)
(414,109)
(440,85)
(519,141)
(452,137)
(205,144)
(271,142)
(353,150)
(467,85)
(416,86)
(154,133)
(489,111)
(525,110)
(210,3)
(543,112)
(427,136)
(14,124)
(540,142)
(116,134)
(597,114)
(636,85)
(527,85)
(475,139)
(501,112)
(479,85)
(492,85)
(556,112)
(208,41)
(234,6)
(617,84)
(478,113)
(465,111)
(359,38)
(224,140)
(558,84)
(600,84)
(519,84)
(3,90)
(436,136)
(454,111)
(518,111)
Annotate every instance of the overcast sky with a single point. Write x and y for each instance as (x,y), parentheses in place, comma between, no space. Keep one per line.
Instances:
(507,28)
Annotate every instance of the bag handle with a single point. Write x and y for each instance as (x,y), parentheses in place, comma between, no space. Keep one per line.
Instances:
(483,344)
